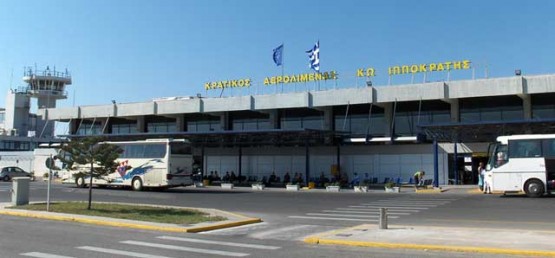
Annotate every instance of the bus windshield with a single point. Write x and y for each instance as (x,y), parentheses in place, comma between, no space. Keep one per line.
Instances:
(497,153)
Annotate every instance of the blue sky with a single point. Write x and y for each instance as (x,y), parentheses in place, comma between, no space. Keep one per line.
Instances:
(134,50)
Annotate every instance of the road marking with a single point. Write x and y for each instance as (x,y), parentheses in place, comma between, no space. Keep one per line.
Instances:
(202,241)
(350,215)
(388,206)
(266,233)
(325,218)
(410,202)
(182,248)
(402,204)
(375,209)
(367,212)
(44,255)
(119,252)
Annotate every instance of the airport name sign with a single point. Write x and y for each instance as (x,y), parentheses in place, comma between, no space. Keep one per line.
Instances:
(332,75)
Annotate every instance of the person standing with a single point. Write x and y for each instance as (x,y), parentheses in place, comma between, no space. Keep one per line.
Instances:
(487,179)
(481,172)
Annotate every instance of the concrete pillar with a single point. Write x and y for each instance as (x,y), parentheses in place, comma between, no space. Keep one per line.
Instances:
(328,118)
(526,106)
(224,122)
(455,111)
(388,117)
(274,119)
(180,123)
(141,124)
(73,126)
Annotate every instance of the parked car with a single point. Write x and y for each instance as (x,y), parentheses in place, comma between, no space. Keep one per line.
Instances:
(8,173)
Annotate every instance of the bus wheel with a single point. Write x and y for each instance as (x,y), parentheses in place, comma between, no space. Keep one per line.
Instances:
(137,184)
(534,188)
(80,182)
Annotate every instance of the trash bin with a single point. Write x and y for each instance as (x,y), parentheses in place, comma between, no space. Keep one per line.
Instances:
(20,191)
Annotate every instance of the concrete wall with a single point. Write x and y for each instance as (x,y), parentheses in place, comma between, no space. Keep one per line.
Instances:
(290,100)
(340,97)
(539,84)
(178,106)
(485,87)
(516,85)
(228,104)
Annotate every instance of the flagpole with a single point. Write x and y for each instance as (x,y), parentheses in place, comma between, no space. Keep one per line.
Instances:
(282,65)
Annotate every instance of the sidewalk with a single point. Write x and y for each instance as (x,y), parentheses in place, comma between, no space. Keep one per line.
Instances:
(450,189)
(233,220)
(452,239)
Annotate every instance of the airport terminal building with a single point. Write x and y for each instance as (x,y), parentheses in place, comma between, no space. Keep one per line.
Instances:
(375,131)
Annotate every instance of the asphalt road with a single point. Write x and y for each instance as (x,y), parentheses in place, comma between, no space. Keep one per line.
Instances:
(288,218)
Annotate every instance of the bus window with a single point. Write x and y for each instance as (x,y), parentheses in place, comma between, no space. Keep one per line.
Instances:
(180,148)
(525,148)
(549,147)
(154,151)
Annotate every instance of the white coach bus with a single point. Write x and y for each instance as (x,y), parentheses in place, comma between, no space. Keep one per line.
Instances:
(523,163)
(153,163)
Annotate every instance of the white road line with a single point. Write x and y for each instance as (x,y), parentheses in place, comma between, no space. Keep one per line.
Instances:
(44,255)
(349,215)
(182,248)
(119,252)
(377,210)
(266,233)
(323,218)
(387,206)
(367,212)
(202,241)
(409,203)
(401,204)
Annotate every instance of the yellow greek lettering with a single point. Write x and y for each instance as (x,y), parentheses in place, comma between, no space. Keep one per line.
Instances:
(360,73)
(414,68)
(370,72)
(466,64)
(440,67)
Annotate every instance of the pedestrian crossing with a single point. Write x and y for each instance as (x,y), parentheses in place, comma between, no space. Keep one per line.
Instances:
(164,247)
(370,212)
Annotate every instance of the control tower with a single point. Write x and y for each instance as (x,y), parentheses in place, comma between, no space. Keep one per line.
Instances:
(47,86)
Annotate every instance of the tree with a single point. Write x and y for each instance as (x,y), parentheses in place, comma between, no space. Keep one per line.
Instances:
(101,157)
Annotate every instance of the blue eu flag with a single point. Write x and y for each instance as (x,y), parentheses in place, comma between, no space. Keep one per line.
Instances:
(278,52)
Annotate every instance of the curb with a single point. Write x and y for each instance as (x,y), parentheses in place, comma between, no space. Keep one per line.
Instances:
(123,224)
(320,239)
(428,191)
(484,250)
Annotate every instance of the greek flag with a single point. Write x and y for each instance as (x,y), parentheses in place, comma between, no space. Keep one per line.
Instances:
(314,57)
(278,53)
